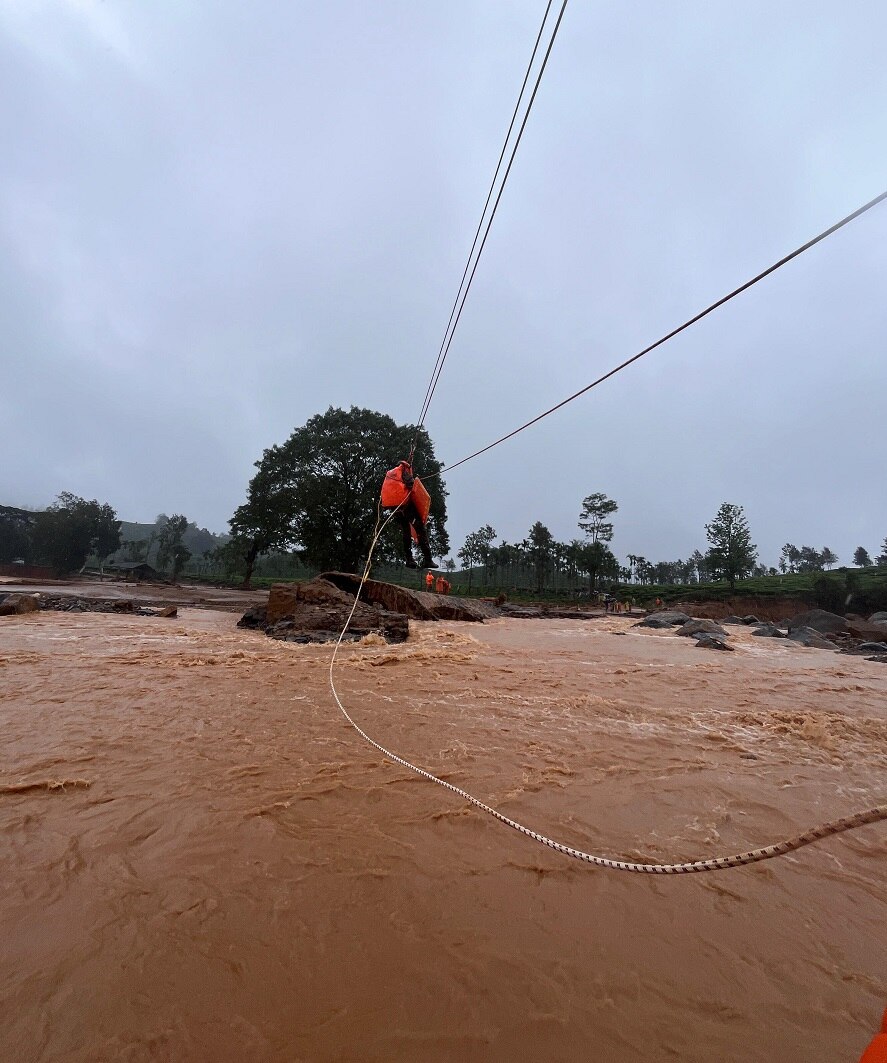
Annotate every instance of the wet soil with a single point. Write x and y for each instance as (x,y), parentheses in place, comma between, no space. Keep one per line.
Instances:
(203,861)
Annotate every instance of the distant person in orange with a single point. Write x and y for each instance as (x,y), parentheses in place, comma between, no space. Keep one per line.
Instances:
(405,492)
(443,585)
(429,581)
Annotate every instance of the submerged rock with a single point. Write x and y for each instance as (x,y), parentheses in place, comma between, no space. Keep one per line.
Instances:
(18,604)
(317,611)
(819,620)
(664,618)
(700,627)
(709,640)
(770,631)
(810,637)
(866,630)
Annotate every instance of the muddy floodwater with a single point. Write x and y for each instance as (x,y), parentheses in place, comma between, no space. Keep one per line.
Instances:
(230,873)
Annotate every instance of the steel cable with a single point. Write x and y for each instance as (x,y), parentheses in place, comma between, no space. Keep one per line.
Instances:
(674,332)
(460,298)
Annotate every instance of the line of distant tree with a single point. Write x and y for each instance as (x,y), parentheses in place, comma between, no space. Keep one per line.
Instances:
(74,532)
(731,555)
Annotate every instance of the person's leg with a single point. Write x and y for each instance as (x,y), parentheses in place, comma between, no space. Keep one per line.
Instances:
(404,521)
(422,536)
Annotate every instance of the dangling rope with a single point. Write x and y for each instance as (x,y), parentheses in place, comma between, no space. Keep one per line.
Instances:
(768,852)
(718,863)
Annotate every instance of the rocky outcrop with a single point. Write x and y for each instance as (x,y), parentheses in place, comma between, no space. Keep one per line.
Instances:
(769,631)
(862,649)
(664,618)
(819,619)
(810,637)
(700,627)
(17,604)
(866,630)
(418,605)
(288,599)
(710,640)
(68,603)
(317,611)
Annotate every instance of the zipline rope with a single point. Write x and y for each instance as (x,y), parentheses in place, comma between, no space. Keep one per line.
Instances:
(719,863)
(768,852)
(674,332)
(483,214)
(462,295)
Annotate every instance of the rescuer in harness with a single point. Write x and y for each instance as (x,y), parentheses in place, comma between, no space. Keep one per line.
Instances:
(406,492)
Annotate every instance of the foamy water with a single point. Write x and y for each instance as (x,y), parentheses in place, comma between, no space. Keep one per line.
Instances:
(244,878)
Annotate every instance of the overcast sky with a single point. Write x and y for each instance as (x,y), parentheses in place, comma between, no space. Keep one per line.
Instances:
(218,219)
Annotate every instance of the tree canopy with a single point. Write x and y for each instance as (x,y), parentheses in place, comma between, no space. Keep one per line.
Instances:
(593,518)
(171,550)
(318,492)
(732,554)
(65,534)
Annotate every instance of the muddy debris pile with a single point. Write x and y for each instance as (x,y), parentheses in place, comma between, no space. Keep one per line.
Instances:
(316,611)
(18,604)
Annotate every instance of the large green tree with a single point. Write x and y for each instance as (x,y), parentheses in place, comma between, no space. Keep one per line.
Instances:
(171,550)
(71,529)
(732,553)
(477,550)
(16,534)
(598,560)
(319,491)
(593,521)
(539,548)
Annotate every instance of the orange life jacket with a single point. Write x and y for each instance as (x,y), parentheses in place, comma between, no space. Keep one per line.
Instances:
(877,1050)
(429,580)
(443,585)
(395,492)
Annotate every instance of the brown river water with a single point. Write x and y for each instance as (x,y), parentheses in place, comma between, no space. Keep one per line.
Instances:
(245,879)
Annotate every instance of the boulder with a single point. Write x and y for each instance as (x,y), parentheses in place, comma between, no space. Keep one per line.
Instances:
(17,604)
(860,649)
(878,618)
(709,640)
(732,620)
(810,637)
(867,631)
(254,618)
(316,611)
(819,619)
(664,618)
(700,627)
(751,620)
(770,631)
(418,605)
(287,599)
